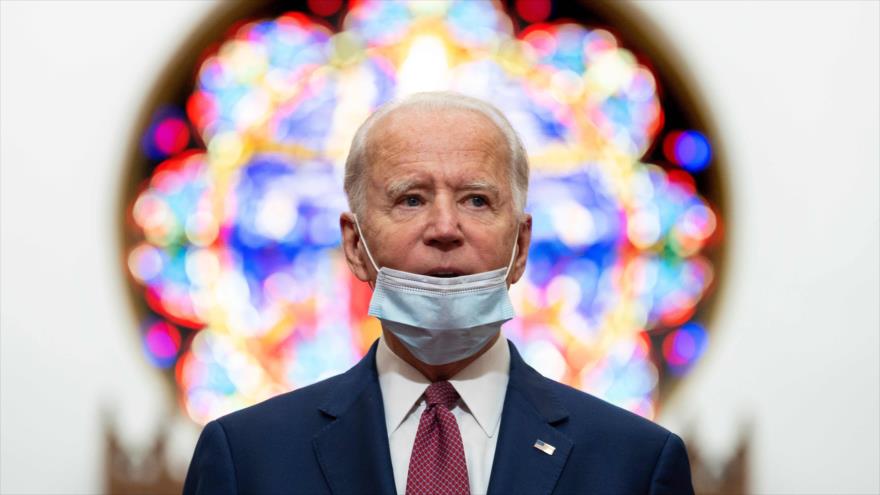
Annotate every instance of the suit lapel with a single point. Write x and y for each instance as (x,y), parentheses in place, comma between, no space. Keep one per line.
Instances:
(353,449)
(530,413)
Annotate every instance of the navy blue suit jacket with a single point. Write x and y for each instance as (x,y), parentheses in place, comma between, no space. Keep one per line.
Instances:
(330,437)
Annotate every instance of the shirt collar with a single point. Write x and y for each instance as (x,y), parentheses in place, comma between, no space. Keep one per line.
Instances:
(401,386)
(482,386)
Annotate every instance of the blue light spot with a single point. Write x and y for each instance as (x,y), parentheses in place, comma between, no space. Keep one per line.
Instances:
(692,151)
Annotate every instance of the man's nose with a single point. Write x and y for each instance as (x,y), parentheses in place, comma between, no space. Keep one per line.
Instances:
(444,230)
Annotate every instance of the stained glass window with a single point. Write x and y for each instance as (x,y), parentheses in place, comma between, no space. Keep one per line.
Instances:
(233,244)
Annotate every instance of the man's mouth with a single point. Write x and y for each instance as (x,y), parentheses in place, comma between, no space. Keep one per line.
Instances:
(444,274)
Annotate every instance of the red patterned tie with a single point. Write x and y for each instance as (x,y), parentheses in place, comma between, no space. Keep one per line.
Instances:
(437,465)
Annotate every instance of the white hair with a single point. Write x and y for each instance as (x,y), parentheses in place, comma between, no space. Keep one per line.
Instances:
(356,163)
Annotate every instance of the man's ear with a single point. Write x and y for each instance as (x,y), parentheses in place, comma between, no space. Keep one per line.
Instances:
(523,241)
(353,248)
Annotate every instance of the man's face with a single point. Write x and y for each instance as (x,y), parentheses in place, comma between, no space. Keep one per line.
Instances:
(438,198)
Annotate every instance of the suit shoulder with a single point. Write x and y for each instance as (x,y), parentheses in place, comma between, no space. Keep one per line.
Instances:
(282,410)
(602,416)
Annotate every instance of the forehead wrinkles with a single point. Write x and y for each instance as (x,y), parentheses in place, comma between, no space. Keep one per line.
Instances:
(412,136)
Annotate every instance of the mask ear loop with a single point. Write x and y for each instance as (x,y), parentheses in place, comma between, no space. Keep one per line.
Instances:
(513,254)
(364,241)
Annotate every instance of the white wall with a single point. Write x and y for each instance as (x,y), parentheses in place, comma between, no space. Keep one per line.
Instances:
(793,88)
(794,91)
(73,78)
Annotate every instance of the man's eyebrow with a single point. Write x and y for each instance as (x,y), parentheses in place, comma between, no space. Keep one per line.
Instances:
(479,185)
(399,187)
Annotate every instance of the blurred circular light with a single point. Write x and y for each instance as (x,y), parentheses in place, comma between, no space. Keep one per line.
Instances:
(541,41)
(172,136)
(324,7)
(683,346)
(162,342)
(145,262)
(533,10)
(688,149)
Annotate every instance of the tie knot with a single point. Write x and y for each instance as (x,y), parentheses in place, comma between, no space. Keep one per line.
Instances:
(441,393)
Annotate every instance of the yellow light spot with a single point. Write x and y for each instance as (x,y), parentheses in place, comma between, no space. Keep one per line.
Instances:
(426,67)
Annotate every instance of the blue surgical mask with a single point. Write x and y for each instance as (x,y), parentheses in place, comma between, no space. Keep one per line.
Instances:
(441,320)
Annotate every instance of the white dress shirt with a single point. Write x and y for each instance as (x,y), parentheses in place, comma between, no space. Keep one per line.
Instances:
(482,386)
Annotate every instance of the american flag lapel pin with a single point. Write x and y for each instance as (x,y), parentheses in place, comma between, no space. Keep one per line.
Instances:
(544,447)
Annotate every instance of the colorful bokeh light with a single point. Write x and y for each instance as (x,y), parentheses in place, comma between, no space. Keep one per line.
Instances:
(168,135)
(683,346)
(162,343)
(689,149)
(236,244)
(533,10)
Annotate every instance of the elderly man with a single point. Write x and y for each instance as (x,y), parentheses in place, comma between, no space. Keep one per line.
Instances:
(442,403)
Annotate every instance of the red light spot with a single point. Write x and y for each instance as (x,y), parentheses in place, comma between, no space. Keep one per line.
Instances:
(669,143)
(677,315)
(153,296)
(533,10)
(657,124)
(201,108)
(171,136)
(683,180)
(324,7)
(297,18)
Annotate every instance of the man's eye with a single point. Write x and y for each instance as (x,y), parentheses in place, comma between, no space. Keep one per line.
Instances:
(412,201)
(478,201)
